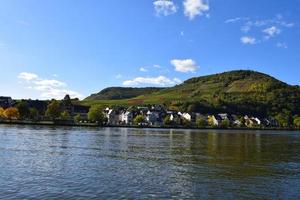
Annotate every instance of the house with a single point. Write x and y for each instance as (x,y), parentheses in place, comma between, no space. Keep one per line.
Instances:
(236,121)
(256,120)
(6,102)
(215,120)
(113,117)
(126,117)
(187,116)
(270,122)
(154,118)
(80,109)
(151,117)
(252,121)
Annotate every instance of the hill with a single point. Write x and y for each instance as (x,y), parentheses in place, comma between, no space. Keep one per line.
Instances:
(239,92)
(117,93)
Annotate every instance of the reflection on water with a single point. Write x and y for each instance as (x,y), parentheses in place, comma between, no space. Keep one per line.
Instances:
(89,163)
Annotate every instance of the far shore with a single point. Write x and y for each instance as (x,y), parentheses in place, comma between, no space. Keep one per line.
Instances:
(52,123)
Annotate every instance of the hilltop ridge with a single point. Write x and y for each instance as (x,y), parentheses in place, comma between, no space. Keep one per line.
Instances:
(240,91)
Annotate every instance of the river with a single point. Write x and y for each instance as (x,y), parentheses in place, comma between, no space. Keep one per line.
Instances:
(40,162)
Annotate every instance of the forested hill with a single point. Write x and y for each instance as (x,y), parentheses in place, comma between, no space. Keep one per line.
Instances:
(117,93)
(243,91)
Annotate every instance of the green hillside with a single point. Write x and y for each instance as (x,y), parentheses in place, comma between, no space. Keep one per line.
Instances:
(117,93)
(245,92)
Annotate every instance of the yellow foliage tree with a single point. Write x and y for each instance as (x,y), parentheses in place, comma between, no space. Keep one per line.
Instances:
(210,121)
(2,113)
(11,113)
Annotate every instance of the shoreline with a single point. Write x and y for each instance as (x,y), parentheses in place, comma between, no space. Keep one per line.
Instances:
(51,123)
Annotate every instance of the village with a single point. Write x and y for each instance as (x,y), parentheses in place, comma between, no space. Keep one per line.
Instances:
(143,116)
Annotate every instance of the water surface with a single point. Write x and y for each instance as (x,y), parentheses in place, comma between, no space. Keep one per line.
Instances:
(111,163)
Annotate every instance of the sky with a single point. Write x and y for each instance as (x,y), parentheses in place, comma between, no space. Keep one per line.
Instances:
(53,47)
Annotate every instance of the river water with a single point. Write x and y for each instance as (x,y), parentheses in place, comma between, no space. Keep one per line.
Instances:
(119,163)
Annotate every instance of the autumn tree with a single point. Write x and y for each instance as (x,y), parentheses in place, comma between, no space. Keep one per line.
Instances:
(2,113)
(211,121)
(11,113)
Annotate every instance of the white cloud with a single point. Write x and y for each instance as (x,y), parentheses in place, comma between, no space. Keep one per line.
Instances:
(268,28)
(156,66)
(282,45)
(187,65)
(143,69)
(158,81)
(272,31)
(164,7)
(27,76)
(233,20)
(50,83)
(192,8)
(248,40)
(246,27)
(47,88)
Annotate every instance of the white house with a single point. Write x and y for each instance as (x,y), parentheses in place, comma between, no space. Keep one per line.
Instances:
(257,121)
(112,117)
(216,120)
(126,117)
(187,116)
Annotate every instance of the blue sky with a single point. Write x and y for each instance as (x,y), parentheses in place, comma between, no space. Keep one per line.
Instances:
(52,47)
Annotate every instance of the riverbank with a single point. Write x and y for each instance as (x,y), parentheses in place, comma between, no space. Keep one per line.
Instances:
(60,123)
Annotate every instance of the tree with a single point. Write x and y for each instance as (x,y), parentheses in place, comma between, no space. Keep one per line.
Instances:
(77,118)
(186,122)
(67,100)
(225,123)
(297,122)
(210,121)
(177,121)
(64,115)
(12,113)
(33,114)
(53,110)
(282,119)
(67,103)
(2,113)
(96,115)
(139,119)
(23,109)
(192,108)
(243,121)
(201,123)
(167,120)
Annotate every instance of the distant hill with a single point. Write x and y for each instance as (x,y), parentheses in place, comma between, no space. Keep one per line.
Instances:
(117,93)
(240,91)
